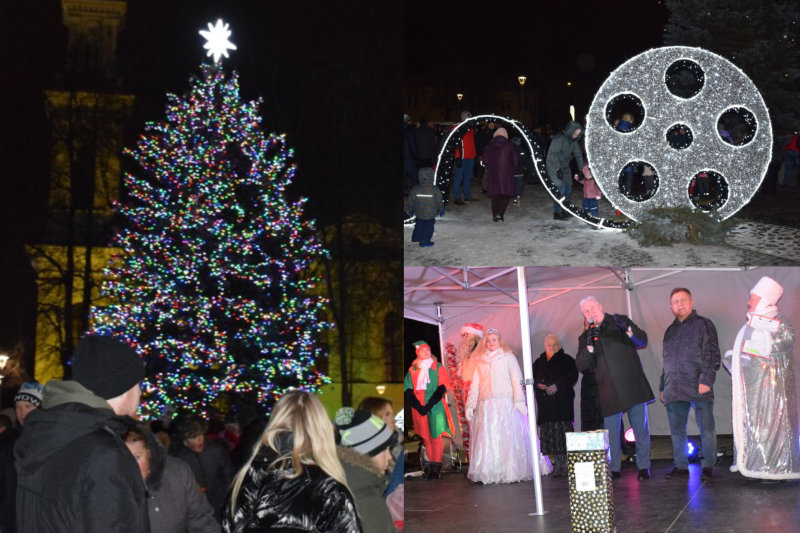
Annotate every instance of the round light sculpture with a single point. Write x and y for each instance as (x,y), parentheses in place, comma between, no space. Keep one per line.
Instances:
(687,91)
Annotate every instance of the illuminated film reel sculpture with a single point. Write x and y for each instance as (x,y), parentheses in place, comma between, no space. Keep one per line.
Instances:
(445,163)
(699,123)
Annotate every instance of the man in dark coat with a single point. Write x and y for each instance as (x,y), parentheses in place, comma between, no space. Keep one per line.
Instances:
(409,154)
(427,145)
(608,347)
(691,361)
(74,472)
(209,461)
(564,146)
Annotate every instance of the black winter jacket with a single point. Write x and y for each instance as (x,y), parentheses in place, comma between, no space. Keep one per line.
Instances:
(268,500)
(212,469)
(175,503)
(560,371)
(691,357)
(74,472)
(616,365)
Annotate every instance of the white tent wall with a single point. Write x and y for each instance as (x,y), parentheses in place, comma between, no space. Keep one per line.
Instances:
(718,294)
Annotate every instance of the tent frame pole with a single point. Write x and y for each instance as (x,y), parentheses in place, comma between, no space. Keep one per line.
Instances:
(527,369)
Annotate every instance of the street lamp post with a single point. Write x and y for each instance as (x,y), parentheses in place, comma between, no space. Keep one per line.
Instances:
(522,80)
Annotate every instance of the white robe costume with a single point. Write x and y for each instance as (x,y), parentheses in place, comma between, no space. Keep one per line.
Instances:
(764,411)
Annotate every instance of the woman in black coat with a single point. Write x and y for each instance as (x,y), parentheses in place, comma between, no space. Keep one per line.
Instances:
(555,375)
(295,481)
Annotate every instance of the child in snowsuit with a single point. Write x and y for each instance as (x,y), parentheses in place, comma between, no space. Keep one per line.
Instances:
(425,201)
(591,192)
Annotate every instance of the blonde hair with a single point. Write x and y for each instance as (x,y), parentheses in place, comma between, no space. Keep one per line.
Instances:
(301,414)
(628,117)
(481,348)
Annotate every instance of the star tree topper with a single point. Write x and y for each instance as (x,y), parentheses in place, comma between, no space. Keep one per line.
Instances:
(217,42)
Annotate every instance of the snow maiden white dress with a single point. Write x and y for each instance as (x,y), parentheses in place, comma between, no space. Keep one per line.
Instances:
(500,441)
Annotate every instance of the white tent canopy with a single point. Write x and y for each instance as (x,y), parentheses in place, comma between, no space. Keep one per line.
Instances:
(451,296)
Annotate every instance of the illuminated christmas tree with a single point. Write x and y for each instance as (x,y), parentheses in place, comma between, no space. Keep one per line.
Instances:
(211,286)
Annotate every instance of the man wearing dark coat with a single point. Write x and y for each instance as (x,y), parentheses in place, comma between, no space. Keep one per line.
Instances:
(563,147)
(691,361)
(608,347)
(74,472)
(209,461)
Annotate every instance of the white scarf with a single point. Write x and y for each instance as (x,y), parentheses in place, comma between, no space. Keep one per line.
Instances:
(423,379)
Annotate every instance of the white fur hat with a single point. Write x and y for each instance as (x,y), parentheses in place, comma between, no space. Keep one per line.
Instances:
(472,329)
(769,290)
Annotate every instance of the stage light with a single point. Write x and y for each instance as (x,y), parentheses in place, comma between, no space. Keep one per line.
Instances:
(630,438)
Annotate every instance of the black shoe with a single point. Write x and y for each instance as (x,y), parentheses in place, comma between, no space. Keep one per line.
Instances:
(644,473)
(502,219)
(707,473)
(496,219)
(459,202)
(677,472)
(557,216)
(615,475)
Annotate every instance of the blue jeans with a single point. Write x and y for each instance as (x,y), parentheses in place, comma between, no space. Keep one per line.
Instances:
(792,161)
(463,176)
(637,415)
(678,414)
(590,206)
(566,190)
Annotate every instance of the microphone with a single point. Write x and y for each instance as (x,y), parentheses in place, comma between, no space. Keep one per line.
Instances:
(593,331)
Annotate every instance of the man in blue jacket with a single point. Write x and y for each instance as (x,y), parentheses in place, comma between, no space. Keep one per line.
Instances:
(691,361)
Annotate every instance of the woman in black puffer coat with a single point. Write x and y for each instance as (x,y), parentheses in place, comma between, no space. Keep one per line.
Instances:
(294,482)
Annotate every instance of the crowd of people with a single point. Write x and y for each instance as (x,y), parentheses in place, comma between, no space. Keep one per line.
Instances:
(484,379)
(75,458)
(492,155)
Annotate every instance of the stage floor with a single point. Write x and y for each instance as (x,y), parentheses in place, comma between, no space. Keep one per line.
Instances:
(728,503)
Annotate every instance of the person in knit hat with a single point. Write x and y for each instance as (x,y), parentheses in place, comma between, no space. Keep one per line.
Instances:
(27,398)
(364,448)
(74,472)
(425,201)
(501,158)
(425,385)
(764,412)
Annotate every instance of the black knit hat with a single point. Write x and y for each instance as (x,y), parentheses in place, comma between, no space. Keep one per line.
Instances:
(363,431)
(106,366)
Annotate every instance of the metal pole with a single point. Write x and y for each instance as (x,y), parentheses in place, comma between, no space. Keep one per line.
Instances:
(527,372)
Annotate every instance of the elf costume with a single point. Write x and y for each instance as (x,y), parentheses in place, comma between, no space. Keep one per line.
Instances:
(425,386)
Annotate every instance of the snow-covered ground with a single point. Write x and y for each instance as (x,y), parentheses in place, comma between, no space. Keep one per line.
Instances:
(466,235)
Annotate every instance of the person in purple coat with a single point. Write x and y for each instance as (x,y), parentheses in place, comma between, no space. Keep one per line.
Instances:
(500,158)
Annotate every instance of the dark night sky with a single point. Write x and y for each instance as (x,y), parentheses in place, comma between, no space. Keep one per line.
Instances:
(550,42)
(322,71)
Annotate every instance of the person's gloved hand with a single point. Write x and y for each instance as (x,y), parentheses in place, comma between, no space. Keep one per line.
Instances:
(521,408)
(621,323)
(551,389)
(470,413)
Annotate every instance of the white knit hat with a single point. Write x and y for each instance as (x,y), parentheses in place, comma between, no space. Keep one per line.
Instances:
(769,290)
